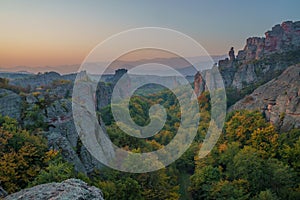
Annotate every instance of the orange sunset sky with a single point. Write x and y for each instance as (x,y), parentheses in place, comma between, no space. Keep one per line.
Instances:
(39,33)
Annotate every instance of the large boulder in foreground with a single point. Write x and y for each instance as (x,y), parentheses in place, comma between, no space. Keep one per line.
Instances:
(70,189)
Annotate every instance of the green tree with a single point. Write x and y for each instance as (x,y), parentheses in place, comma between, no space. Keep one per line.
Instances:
(266,195)
(56,171)
(262,173)
(233,190)
(203,180)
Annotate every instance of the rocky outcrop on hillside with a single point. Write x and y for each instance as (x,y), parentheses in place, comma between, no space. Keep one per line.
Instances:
(38,80)
(63,136)
(103,94)
(47,106)
(263,58)
(199,84)
(209,80)
(10,104)
(89,125)
(50,108)
(264,62)
(282,38)
(278,99)
(69,189)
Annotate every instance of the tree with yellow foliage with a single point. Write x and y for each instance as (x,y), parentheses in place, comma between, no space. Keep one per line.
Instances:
(21,155)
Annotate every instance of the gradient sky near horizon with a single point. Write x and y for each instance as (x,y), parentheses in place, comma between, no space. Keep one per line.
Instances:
(59,32)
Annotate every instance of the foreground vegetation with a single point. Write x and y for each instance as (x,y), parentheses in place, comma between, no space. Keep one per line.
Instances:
(250,161)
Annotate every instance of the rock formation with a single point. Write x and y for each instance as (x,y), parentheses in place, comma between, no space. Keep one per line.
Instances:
(49,101)
(69,189)
(118,74)
(63,136)
(253,49)
(38,80)
(199,84)
(278,99)
(231,54)
(10,104)
(103,94)
(262,59)
(208,80)
(282,38)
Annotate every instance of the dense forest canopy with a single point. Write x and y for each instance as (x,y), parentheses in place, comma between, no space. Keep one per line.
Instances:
(250,161)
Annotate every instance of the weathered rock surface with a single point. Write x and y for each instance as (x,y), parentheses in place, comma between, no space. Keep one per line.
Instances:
(278,99)
(58,142)
(208,80)
(261,60)
(282,38)
(199,84)
(69,189)
(89,126)
(62,90)
(37,80)
(10,104)
(103,94)
(63,136)
(262,63)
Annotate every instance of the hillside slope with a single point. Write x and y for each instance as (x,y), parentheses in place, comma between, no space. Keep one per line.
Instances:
(279,99)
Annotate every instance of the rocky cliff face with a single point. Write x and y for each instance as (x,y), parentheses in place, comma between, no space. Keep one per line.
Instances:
(103,94)
(282,38)
(254,49)
(199,84)
(63,136)
(262,59)
(70,189)
(278,99)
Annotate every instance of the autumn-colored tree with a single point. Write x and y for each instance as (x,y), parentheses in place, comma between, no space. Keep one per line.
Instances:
(252,161)
(242,124)
(265,139)
(21,155)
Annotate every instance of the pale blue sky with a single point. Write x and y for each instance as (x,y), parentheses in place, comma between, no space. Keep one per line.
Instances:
(62,32)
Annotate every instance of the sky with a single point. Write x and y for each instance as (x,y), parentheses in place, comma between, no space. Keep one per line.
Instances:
(59,32)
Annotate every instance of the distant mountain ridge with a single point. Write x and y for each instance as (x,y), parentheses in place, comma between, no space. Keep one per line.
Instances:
(67,69)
